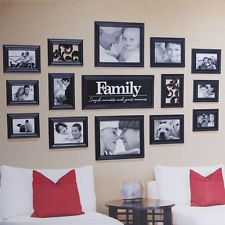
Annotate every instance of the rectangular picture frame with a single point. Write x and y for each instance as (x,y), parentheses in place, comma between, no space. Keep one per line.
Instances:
(112,48)
(119,137)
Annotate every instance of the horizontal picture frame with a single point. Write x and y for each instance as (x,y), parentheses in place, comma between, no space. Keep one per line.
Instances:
(21,58)
(117,91)
(119,137)
(119,44)
(68,132)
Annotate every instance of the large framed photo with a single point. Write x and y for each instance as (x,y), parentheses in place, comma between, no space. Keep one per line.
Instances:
(167,52)
(65,52)
(166,129)
(61,91)
(205,119)
(23,125)
(22,92)
(206,61)
(68,132)
(172,90)
(117,91)
(119,44)
(206,91)
(21,58)
(119,137)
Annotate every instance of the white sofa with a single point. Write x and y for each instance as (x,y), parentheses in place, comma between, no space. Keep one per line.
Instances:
(16,198)
(172,184)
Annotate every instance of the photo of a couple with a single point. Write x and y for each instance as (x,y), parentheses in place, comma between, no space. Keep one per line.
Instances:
(23,93)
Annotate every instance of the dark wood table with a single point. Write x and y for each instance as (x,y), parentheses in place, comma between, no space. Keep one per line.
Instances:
(144,212)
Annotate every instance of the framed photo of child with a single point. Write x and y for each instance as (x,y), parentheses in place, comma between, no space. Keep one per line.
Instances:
(119,44)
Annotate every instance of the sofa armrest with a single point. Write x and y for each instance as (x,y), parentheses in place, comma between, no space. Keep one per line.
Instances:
(152,190)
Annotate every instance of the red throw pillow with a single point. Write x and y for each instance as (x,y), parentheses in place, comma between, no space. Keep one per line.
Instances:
(55,199)
(206,191)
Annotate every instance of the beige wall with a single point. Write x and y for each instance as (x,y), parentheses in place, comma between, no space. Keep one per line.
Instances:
(201,23)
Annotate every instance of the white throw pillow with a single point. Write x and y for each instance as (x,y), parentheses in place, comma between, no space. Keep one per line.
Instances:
(174,183)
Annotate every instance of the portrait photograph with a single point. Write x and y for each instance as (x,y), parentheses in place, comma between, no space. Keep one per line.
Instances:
(167,52)
(206,61)
(166,129)
(119,137)
(205,119)
(206,91)
(119,44)
(68,132)
(61,91)
(172,88)
(21,58)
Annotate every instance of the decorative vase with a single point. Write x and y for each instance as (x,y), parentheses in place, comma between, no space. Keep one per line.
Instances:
(131,190)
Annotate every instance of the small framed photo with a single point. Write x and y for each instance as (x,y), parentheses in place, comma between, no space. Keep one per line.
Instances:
(68,132)
(119,44)
(172,90)
(119,137)
(22,92)
(65,52)
(166,129)
(61,91)
(167,52)
(21,58)
(206,61)
(205,119)
(23,125)
(206,91)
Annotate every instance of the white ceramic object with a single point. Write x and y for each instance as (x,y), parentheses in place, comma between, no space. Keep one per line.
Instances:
(131,189)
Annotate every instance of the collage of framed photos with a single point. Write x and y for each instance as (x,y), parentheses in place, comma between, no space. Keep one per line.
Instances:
(117,44)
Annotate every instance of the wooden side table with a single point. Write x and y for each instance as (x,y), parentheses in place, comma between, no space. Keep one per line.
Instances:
(144,212)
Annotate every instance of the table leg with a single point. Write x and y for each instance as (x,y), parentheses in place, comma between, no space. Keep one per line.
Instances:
(168,220)
(139,217)
(113,212)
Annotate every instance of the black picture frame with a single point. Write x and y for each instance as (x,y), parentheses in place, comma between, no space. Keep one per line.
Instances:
(117,91)
(65,52)
(68,132)
(22,58)
(127,137)
(23,125)
(22,92)
(172,90)
(61,91)
(205,119)
(167,52)
(122,54)
(206,61)
(205,90)
(166,129)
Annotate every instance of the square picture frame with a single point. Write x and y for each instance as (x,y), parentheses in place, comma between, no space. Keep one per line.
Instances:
(61,91)
(167,129)
(21,58)
(167,52)
(22,92)
(127,137)
(205,119)
(68,132)
(23,125)
(65,52)
(172,90)
(205,90)
(112,48)
(206,61)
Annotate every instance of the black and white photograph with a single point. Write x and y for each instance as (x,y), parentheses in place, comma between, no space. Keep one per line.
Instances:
(172,89)
(206,60)
(68,132)
(23,125)
(21,92)
(119,44)
(119,137)
(61,91)
(205,119)
(166,129)
(206,91)
(21,58)
(65,52)
(167,52)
